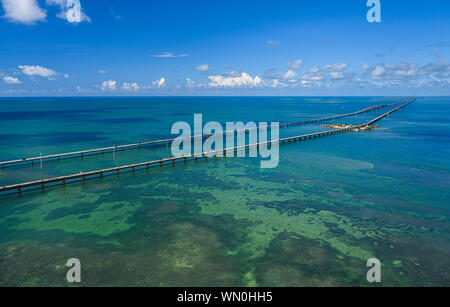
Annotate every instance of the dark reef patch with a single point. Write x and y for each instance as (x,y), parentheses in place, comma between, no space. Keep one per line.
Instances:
(80,208)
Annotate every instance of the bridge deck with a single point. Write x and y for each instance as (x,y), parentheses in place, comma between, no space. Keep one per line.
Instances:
(161,162)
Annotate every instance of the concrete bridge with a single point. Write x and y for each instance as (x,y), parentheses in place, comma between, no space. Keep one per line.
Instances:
(82,177)
(83,153)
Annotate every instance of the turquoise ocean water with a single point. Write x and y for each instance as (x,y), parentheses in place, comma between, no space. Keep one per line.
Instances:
(330,205)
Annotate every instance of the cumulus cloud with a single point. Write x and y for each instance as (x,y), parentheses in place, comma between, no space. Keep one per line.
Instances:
(385,75)
(338,67)
(364,70)
(168,55)
(439,67)
(408,74)
(313,74)
(295,64)
(11,80)
(203,67)
(23,11)
(29,11)
(109,85)
(102,72)
(405,70)
(130,86)
(378,72)
(71,10)
(36,70)
(235,80)
(337,75)
(189,82)
(159,83)
(290,74)
(276,83)
(316,74)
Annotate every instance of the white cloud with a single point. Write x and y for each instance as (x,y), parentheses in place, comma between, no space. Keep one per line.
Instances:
(316,74)
(168,55)
(276,83)
(290,74)
(336,67)
(159,83)
(102,72)
(313,74)
(296,64)
(11,80)
(409,74)
(235,80)
(130,86)
(273,43)
(314,70)
(337,75)
(305,83)
(36,70)
(66,76)
(189,82)
(71,10)
(365,69)
(23,11)
(109,85)
(378,72)
(203,67)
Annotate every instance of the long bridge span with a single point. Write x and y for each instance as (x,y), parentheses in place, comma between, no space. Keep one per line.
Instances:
(63,180)
(83,153)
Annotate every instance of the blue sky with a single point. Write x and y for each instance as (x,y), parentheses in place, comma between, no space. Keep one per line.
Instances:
(245,47)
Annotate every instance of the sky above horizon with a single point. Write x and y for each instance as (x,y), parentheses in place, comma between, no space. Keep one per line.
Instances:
(133,47)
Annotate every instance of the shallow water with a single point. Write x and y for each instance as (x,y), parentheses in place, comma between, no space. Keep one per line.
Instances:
(329,206)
